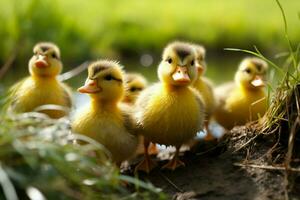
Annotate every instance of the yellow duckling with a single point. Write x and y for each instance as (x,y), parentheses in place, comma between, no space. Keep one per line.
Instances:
(104,120)
(170,112)
(205,87)
(135,83)
(42,86)
(245,100)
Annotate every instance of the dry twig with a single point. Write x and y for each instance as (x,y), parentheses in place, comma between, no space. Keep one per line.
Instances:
(267,167)
(9,61)
(170,182)
(74,72)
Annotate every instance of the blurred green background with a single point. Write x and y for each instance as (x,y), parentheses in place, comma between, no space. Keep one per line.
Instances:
(135,31)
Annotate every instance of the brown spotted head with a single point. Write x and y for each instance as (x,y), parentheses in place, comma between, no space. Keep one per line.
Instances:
(252,73)
(46,60)
(178,67)
(105,81)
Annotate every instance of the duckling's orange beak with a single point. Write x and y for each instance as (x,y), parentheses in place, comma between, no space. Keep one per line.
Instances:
(258,81)
(41,62)
(200,69)
(181,75)
(89,87)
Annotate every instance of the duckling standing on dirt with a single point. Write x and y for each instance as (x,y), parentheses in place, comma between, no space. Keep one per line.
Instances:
(245,100)
(104,120)
(135,83)
(170,112)
(205,87)
(42,86)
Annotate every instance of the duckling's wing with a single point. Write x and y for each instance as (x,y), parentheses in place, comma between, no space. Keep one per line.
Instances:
(67,94)
(127,114)
(11,95)
(200,101)
(222,92)
(142,103)
(145,96)
(208,82)
(210,86)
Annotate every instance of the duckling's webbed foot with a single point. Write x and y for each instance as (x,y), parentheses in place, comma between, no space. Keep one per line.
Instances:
(153,149)
(146,164)
(209,136)
(175,162)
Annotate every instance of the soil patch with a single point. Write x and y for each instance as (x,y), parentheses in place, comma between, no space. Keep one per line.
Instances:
(220,170)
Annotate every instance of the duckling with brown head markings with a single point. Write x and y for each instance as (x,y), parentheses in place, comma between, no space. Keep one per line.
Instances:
(42,86)
(245,100)
(205,87)
(135,83)
(170,112)
(104,120)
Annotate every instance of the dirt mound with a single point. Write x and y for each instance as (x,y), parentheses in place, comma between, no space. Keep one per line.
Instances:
(244,165)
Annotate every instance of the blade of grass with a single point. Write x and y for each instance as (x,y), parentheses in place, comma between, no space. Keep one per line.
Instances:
(138,183)
(74,72)
(258,54)
(7,186)
(286,33)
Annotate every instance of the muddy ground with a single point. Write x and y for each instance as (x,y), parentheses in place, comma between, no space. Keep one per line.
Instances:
(212,172)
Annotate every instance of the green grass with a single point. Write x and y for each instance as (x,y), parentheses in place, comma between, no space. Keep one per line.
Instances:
(92,29)
(38,157)
(284,102)
(87,30)
(37,153)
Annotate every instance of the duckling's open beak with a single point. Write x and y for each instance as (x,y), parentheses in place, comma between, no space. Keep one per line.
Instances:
(89,87)
(181,75)
(41,62)
(258,81)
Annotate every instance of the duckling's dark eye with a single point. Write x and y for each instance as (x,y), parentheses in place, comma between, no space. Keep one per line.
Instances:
(258,67)
(133,89)
(53,55)
(193,62)
(248,71)
(170,60)
(108,77)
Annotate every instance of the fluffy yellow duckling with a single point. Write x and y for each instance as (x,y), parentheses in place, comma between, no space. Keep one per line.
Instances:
(104,120)
(42,86)
(205,87)
(135,83)
(170,112)
(245,100)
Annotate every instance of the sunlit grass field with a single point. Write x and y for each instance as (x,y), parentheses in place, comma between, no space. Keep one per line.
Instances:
(93,29)
(126,31)
(88,30)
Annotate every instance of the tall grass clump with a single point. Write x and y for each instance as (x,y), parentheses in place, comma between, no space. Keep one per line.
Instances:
(286,94)
(273,142)
(39,160)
